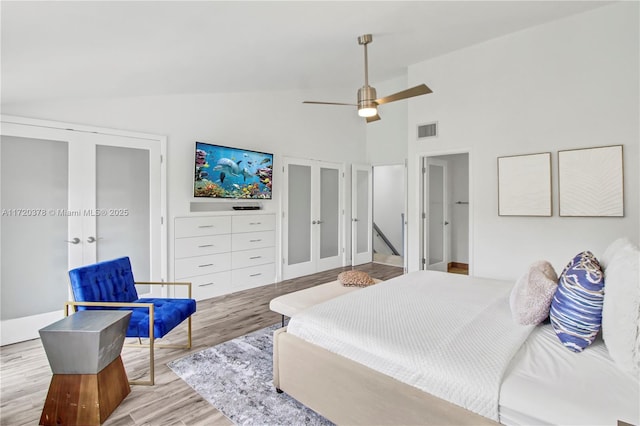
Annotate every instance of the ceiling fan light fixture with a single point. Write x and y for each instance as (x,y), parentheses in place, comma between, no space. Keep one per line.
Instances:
(368,100)
(367,107)
(367,111)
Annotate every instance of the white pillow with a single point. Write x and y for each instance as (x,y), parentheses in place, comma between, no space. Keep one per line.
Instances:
(532,294)
(621,309)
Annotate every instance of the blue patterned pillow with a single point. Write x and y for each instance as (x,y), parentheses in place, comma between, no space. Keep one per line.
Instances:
(576,308)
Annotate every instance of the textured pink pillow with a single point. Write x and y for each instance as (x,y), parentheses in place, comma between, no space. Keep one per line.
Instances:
(532,294)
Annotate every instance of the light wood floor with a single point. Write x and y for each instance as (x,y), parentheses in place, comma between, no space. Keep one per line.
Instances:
(25,374)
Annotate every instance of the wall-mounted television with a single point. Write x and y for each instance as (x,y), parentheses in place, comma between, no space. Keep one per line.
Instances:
(226,172)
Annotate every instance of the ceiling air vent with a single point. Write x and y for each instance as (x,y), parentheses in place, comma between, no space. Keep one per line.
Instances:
(429,130)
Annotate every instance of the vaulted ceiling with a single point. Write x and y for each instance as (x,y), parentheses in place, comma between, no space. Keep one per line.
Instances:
(66,49)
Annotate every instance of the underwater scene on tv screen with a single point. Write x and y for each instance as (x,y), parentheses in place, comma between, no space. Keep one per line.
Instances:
(225,172)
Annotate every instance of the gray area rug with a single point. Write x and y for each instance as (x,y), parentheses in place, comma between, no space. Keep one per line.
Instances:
(236,377)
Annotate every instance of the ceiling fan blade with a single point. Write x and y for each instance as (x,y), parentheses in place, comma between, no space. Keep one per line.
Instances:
(327,103)
(409,93)
(372,119)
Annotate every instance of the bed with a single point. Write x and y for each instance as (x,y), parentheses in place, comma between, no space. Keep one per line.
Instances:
(436,348)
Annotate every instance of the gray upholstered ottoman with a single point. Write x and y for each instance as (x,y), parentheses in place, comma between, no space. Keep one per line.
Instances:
(292,303)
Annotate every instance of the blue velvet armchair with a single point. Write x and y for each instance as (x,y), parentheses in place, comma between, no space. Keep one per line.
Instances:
(110,285)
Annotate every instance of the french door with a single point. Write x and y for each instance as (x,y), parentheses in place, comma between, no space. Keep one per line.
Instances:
(435,214)
(312,217)
(361,214)
(70,198)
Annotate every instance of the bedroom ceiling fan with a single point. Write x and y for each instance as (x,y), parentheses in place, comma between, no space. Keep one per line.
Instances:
(367,98)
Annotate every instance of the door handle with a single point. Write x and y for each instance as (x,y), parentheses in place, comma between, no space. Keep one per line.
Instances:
(314,222)
(446,223)
(355,219)
(76,240)
(319,222)
(93,239)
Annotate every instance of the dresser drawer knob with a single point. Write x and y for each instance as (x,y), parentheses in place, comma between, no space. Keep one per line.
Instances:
(255,241)
(205,265)
(255,257)
(255,223)
(206,245)
(206,226)
(256,275)
(205,285)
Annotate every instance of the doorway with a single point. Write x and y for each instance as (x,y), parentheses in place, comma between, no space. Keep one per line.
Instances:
(389,214)
(445,236)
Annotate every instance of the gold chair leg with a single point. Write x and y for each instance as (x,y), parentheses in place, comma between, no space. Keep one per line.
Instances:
(152,375)
(151,380)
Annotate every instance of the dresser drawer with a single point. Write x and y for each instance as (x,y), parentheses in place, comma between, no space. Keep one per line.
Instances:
(253,223)
(200,226)
(200,246)
(255,276)
(253,240)
(206,286)
(202,265)
(246,258)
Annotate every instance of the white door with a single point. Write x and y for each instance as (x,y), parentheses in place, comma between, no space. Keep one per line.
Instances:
(361,214)
(312,217)
(70,198)
(435,215)
(329,225)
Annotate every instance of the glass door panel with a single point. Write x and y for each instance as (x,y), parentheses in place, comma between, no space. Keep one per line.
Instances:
(362,223)
(362,245)
(34,201)
(123,207)
(436,214)
(299,218)
(435,209)
(329,215)
(329,212)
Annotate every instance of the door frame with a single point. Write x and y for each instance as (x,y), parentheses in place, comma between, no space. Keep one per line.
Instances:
(13,329)
(421,160)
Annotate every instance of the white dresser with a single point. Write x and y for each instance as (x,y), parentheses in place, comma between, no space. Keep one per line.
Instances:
(224,253)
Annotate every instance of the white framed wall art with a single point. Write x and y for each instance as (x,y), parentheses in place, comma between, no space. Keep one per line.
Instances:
(590,182)
(524,185)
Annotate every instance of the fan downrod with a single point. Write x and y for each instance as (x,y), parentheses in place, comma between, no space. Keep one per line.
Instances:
(365,39)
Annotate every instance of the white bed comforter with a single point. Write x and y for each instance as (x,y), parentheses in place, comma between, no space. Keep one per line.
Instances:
(449,335)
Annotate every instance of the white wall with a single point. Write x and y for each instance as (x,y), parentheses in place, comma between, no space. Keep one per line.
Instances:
(568,84)
(273,122)
(386,138)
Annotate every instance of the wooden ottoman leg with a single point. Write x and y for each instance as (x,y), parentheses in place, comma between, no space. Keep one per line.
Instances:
(85,399)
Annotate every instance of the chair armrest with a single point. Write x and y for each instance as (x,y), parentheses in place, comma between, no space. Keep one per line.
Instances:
(149,306)
(161,283)
(165,283)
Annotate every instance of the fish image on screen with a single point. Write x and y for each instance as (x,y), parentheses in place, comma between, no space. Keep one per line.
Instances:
(226,172)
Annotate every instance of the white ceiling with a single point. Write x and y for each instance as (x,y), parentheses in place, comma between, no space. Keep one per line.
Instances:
(62,49)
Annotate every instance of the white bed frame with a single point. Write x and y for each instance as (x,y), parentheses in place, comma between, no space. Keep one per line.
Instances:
(347,392)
